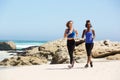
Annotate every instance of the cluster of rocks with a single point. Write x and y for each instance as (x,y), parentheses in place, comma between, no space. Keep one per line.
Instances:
(23,60)
(56,52)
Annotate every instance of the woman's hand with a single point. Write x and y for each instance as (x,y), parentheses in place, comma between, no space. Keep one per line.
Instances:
(76,33)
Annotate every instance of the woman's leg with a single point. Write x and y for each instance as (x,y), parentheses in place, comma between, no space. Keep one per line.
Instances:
(70,54)
(87,50)
(72,50)
(71,46)
(89,47)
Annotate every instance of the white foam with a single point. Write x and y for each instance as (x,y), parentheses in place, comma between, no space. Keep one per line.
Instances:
(5,54)
(20,46)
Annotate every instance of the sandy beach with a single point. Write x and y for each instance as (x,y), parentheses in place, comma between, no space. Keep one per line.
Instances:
(39,39)
(101,71)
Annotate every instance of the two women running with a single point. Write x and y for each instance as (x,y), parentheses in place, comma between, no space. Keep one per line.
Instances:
(89,37)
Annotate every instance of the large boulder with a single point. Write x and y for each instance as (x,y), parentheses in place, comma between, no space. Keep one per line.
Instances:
(56,51)
(60,56)
(7,45)
(80,53)
(105,48)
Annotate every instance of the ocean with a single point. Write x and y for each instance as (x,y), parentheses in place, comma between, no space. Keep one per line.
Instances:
(24,43)
(19,44)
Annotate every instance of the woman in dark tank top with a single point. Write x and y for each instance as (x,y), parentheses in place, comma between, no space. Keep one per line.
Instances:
(89,37)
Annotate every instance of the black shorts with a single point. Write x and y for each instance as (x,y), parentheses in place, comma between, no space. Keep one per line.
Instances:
(89,47)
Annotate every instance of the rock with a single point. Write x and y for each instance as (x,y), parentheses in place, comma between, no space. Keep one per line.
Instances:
(29,48)
(102,54)
(114,57)
(26,60)
(23,53)
(33,50)
(47,54)
(106,42)
(9,62)
(47,50)
(7,45)
(38,61)
(61,56)
(100,51)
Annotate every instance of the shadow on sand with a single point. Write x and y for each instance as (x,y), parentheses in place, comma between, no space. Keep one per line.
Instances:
(65,68)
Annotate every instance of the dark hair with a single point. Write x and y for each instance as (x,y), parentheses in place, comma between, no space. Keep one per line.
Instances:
(67,24)
(87,21)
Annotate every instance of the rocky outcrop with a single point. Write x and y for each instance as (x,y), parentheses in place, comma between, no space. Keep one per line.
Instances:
(56,52)
(23,60)
(7,45)
(105,48)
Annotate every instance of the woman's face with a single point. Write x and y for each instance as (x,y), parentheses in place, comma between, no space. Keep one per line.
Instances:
(70,24)
(88,25)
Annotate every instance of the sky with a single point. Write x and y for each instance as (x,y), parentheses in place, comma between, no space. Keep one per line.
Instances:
(46,19)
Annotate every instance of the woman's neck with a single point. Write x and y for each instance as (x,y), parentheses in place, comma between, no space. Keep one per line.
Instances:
(88,29)
(71,28)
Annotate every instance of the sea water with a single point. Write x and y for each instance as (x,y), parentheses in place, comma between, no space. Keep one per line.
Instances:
(24,44)
(19,45)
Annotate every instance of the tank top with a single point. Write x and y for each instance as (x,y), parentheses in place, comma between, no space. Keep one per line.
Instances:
(89,37)
(71,35)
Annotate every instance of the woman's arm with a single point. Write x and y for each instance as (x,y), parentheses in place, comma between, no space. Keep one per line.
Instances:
(65,35)
(83,33)
(93,31)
